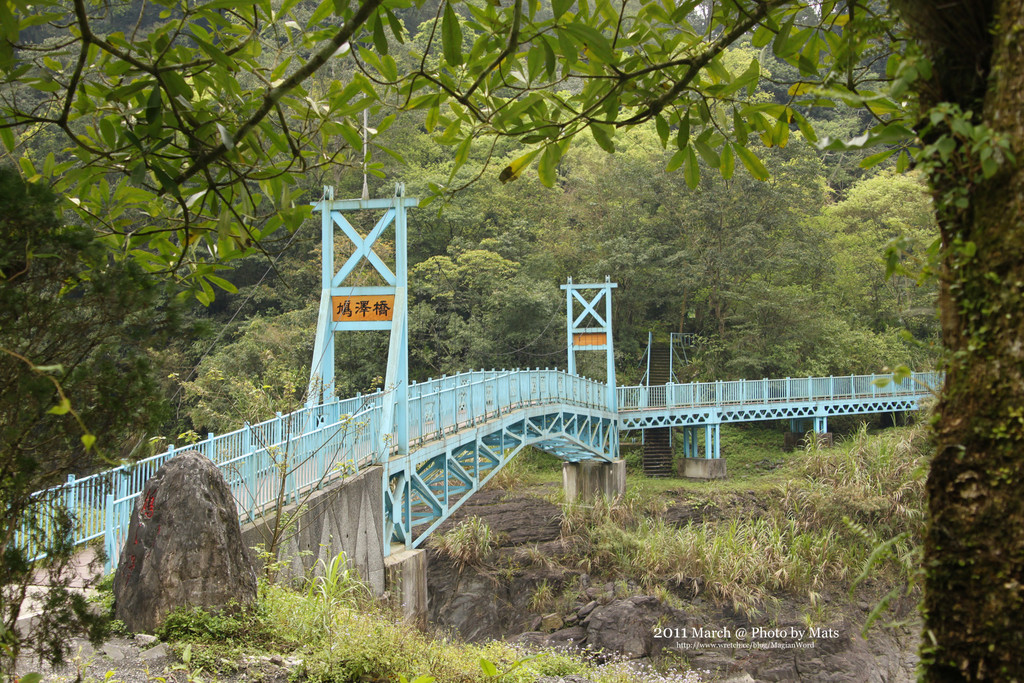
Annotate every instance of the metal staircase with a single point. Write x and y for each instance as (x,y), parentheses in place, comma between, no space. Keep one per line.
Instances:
(658,448)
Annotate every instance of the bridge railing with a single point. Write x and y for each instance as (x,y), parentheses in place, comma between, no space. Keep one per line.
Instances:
(765,391)
(99,500)
(466,400)
(294,453)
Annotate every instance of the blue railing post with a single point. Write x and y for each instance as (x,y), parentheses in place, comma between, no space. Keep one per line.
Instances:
(71,499)
(250,469)
(108,533)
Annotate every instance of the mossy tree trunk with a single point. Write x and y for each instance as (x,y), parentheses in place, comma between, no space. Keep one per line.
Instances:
(974,547)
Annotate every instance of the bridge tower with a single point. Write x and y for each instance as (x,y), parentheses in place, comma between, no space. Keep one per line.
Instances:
(591,330)
(345,307)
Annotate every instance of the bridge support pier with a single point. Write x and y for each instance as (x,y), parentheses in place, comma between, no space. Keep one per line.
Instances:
(585,480)
(711,465)
(797,433)
(406,583)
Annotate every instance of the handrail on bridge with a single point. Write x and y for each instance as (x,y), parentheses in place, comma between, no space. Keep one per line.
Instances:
(767,391)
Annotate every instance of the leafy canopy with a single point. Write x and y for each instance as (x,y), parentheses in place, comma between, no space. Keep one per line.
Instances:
(185,134)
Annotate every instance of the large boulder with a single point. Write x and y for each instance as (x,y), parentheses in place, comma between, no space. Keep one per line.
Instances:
(184,546)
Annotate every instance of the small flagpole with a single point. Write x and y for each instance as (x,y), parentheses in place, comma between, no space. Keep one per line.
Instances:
(366,189)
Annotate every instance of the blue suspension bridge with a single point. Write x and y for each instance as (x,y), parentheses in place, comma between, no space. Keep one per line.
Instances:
(441,440)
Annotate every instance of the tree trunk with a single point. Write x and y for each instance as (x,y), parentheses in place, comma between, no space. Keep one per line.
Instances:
(974,546)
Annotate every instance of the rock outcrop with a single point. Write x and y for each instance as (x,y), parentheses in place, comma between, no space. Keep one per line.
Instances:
(184,546)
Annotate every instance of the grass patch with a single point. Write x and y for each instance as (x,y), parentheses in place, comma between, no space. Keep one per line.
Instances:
(809,525)
(529,468)
(470,543)
(351,640)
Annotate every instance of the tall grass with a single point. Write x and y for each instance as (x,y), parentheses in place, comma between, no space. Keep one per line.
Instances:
(367,643)
(817,532)
(469,543)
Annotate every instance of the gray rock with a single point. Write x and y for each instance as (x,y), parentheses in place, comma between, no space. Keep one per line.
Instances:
(113,652)
(144,639)
(625,626)
(532,639)
(551,622)
(153,653)
(587,609)
(184,546)
(567,637)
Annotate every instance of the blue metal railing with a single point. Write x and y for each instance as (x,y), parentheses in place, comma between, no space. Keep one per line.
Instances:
(767,391)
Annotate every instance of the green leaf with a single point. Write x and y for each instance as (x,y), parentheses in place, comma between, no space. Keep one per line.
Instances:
(739,127)
(396,26)
(488,667)
(752,163)
(709,155)
(323,10)
(88,440)
(27,169)
(215,54)
(30,678)
(550,62)
(728,162)
(222,283)
(177,85)
(663,130)
(762,36)
(683,138)
(748,78)
(548,165)
(59,369)
(603,135)
(389,68)
(559,7)
(462,153)
(691,170)
(154,108)
(380,41)
(594,40)
(8,139)
(676,161)
(902,161)
(108,132)
(782,46)
(62,408)
(451,36)
(513,170)
(876,159)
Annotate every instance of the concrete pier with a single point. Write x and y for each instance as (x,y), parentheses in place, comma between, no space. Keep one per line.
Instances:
(406,583)
(702,468)
(584,481)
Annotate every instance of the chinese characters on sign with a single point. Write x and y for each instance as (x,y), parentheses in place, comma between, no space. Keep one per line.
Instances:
(358,308)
